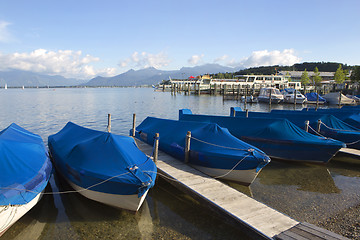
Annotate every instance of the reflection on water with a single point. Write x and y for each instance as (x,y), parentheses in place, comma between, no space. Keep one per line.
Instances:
(305,192)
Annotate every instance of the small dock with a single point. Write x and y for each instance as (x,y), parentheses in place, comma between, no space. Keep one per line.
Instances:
(254,218)
(350,151)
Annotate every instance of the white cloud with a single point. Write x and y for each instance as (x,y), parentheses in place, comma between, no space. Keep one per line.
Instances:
(145,60)
(269,58)
(261,58)
(5,35)
(196,59)
(67,63)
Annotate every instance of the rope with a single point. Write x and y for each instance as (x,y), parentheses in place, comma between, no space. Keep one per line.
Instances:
(212,144)
(317,132)
(232,168)
(345,130)
(65,192)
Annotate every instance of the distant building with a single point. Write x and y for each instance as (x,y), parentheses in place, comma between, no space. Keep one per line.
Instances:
(296,75)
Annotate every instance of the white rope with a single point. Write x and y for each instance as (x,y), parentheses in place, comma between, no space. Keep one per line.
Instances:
(65,192)
(317,132)
(12,214)
(335,129)
(345,130)
(221,176)
(237,149)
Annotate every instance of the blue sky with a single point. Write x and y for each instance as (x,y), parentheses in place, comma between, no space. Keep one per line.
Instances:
(83,39)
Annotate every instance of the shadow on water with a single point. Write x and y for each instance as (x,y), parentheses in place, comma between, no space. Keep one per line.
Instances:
(177,213)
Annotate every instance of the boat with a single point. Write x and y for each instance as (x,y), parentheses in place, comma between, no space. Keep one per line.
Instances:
(103,166)
(272,93)
(291,96)
(278,138)
(213,150)
(313,98)
(338,98)
(330,127)
(25,172)
(5,87)
(249,99)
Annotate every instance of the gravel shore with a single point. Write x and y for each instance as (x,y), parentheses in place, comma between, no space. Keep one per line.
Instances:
(346,223)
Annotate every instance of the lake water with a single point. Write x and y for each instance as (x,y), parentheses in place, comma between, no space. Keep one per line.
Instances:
(310,193)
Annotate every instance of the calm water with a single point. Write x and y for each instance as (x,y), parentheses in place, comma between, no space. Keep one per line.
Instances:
(305,192)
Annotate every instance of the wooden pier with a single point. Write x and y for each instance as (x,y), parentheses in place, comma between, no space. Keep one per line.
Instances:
(254,218)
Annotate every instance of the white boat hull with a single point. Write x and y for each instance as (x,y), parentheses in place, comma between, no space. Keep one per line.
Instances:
(245,177)
(129,202)
(9,214)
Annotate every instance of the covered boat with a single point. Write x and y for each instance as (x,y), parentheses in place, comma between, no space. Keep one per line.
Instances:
(272,93)
(291,95)
(338,98)
(102,166)
(279,138)
(330,126)
(313,98)
(213,150)
(349,115)
(25,171)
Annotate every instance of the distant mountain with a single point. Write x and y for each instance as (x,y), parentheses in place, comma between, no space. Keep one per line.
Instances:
(18,78)
(149,76)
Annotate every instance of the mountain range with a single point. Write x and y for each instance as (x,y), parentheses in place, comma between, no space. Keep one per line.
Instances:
(147,76)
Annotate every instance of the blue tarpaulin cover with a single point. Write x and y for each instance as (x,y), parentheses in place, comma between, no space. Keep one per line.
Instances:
(25,167)
(332,127)
(347,114)
(312,97)
(87,157)
(211,145)
(276,137)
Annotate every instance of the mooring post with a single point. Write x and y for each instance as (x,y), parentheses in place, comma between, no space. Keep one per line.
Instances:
(156,147)
(318,125)
(339,98)
(133,126)
(109,123)
(187,146)
(247,112)
(295,99)
(307,122)
(317,100)
(270,98)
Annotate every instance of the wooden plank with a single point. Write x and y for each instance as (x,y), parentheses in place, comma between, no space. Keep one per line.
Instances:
(350,151)
(264,222)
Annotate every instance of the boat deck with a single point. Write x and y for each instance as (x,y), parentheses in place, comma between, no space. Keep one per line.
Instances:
(255,218)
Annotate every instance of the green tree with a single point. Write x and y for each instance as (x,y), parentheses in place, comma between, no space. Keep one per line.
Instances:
(339,75)
(355,74)
(317,78)
(305,80)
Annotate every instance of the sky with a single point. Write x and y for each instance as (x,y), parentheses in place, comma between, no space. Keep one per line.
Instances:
(87,38)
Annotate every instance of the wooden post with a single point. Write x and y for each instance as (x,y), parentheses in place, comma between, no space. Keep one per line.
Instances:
(307,122)
(295,99)
(109,123)
(318,125)
(238,93)
(156,148)
(245,100)
(187,146)
(270,98)
(133,125)
(317,100)
(339,98)
(247,112)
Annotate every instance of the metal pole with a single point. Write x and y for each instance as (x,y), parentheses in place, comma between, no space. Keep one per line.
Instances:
(187,146)
(307,122)
(109,123)
(133,125)
(318,125)
(156,149)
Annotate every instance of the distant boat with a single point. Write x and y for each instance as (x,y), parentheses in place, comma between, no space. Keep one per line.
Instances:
(25,172)
(23,87)
(5,86)
(102,166)
(290,95)
(213,150)
(266,92)
(338,98)
(313,98)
